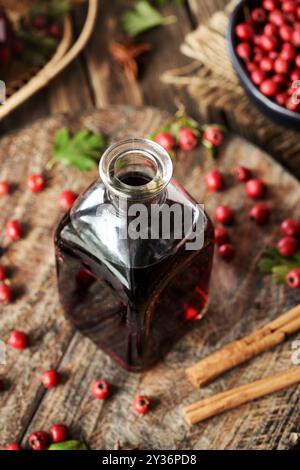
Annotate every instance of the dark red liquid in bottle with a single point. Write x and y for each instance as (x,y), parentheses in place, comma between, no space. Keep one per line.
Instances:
(133,298)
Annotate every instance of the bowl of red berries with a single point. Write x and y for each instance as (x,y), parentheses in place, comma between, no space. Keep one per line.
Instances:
(264,46)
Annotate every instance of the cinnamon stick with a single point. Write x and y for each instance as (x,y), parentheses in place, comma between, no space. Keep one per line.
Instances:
(235,397)
(240,351)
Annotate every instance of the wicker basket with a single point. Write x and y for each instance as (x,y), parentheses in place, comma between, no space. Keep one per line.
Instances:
(32,80)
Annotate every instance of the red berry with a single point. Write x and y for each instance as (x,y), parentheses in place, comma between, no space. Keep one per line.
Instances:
(296,38)
(5,293)
(269,87)
(242,173)
(54,31)
(39,440)
(254,188)
(59,433)
(244,31)
(290,227)
(286,32)
(269,5)
(289,6)
(260,213)
(226,251)
(39,22)
(251,66)
(268,43)
(258,76)
(166,140)
(297,62)
(4,188)
(187,139)
(67,199)
(50,378)
(100,389)
(13,230)
(266,64)
(288,51)
(2,273)
(276,17)
(293,278)
(18,340)
(295,75)
(214,136)
(258,15)
(287,246)
(35,183)
(224,214)
(214,180)
(13,446)
(281,98)
(142,404)
(221,236)
(281,65)
(244,50)
(270,29)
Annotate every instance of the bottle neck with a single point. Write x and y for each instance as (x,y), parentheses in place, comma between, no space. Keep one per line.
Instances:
(136,170)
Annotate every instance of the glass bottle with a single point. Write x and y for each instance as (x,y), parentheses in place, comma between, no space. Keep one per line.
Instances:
(134,256)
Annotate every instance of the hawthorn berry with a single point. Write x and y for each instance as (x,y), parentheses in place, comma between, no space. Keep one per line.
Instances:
(59,433)
(254,188)
(13,446)
(214,180)
(4,188)
(50,378)
(13,230)
(142,404)
(100,389)
(221,235)
(226,251)
(224,214)
(39,440)
(290,227)
(213,135)
(187,139)
(166,140)
(35,183)
(287,246)
(5,293)
(242,174)
(293,278)
(67,199)
(18,340)
(260,213)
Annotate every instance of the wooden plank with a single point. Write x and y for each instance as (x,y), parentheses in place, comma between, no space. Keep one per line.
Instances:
(108,81)
(240,301)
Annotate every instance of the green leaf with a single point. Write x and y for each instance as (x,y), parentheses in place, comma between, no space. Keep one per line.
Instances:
(54,9)
(143,17)
(69,445)
(81,151)
(272,262)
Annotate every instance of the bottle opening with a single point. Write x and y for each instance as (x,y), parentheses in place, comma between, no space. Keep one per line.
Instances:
(136,168)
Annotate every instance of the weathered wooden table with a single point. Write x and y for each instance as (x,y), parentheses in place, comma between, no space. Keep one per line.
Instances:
(241,300)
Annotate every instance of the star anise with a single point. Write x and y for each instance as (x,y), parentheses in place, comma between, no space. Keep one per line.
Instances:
(126,56)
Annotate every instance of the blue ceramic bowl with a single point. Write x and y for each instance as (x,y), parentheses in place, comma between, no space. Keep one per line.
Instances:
(272,110)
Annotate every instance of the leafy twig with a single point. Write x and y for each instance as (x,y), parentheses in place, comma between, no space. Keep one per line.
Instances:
(144,17)
(81,151)
(272,262)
